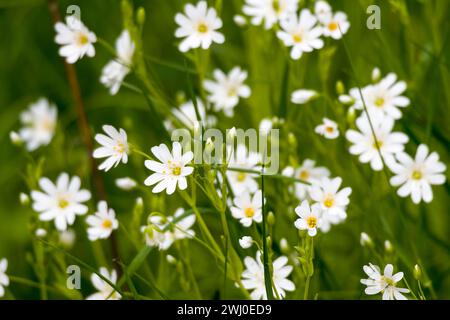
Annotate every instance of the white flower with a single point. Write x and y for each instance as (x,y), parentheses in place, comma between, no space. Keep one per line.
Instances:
(415,176)
(188,117)
(329,129)
(333,201)
(269,11)
(303,96)
(161,231)
(75,39)
(114,147)
(365,145)
(62,201)
(242,181)
(253,277)
(335,26)
(307,172)
(105,291)
(309,217)
(4,279)
(246,242)
(198,26)
(39,122)
(115,71)
(385,283)
(322,10)
(301,33)
(265,126)
(102,223)
(226,90)
(383,97)
(171,170)
(126,183)
(247,209)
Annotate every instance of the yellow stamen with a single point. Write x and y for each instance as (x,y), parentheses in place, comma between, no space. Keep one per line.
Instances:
(82,39)
(328,202)
(107,224)
(176,171)
(202,28)
(297,38)
(417,175)
(63,203)
(241,176)
(332,26)
(311,221)
(249,212)
(304,175)
(379,102)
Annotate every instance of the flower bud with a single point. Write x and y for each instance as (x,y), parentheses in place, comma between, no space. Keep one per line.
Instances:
(417,272)
(24,199)
(125,183)
(292,140)
(351,116)
(171,259)
(140,16)
(376,74)
(40,233)
(271,218)
(246,242)
(340,87)
(284,246)
(240,20)
(365,240)
(15,138)
(388,246)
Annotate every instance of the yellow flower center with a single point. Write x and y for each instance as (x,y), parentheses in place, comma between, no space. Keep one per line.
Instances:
(276,6)
(304,175)
(82,39)
(63,203)
(107,224)
(297,38)
(241,176)
(377,144)
(249,212)
(379,102)
(202,28)
(329,129)
(332,26)
(328,202)
(120,147)
(417,175)
(232,92)
(311,221)
(176,171)
(388,281)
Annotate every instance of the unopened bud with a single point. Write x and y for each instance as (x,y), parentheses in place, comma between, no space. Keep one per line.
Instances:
(365,240)
(40,233)
(271,218)
(140,16)
(284,246)
(376,74)
(240,20)
(417,272)
(24,199)
(340,87)
(171,259)
(351,115)
(292,140)
(126,183)
(15,138)
(388,246)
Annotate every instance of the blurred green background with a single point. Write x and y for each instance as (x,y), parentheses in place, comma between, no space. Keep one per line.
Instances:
(412,42)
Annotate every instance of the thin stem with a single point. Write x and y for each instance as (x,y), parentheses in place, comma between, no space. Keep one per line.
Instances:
(267,273)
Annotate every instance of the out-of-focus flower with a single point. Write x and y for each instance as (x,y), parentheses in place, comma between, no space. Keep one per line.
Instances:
(102,223)
(246,242)
(4,279)
(226,89)
(253,277)
(105,291)
(198,26)
(126,183)
(269,11)
(242,181)
(303,96)
(187,115)
(39,123)
(335,25)
(301,33)
(328,129)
